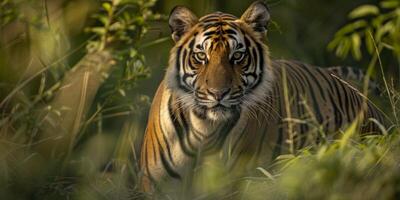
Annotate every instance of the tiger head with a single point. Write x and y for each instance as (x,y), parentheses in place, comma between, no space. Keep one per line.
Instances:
(219,65)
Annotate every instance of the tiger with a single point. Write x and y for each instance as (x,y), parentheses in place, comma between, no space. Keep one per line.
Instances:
(223,94)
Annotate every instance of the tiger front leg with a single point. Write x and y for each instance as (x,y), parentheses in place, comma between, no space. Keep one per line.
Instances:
(161,173)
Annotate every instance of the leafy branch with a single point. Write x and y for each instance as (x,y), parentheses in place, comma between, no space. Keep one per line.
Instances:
(120,26)
(382,22)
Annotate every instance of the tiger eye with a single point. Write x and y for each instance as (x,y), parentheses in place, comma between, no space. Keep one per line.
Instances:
(201,56)
(237,55)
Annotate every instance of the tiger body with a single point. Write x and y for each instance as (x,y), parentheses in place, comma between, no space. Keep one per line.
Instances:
(222,95)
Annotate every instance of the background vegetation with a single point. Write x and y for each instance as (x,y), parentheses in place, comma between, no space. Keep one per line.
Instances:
(75,134)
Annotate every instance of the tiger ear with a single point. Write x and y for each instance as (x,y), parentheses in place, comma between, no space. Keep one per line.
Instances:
(181,20)
(257,16)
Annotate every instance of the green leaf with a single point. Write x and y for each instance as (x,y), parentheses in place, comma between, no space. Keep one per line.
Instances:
(98,30)
(116,26)
(349,28)
(390,4)
(363,11)
(107,6)
(382,31)
(122,92)
(133,53)
(335,43)
(266,173)
(356,44)
(103,19)
(344,47)
(349,132)
(377,22)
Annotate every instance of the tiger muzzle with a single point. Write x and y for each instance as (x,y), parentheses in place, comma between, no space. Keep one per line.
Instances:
(218,94)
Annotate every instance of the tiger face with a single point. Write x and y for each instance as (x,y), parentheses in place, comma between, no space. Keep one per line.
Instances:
(219,65)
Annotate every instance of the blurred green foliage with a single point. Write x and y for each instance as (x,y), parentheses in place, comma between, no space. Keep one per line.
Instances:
(53,144)
(8,12)
(373,24)
(363,169)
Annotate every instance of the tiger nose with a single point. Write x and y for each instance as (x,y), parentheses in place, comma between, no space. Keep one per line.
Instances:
(218,94)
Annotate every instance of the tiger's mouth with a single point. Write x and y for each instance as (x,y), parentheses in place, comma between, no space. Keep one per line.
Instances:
(219,108)
(217,112)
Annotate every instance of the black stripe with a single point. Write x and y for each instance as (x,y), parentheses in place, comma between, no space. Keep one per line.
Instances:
(184,54)
(260,65)
(339,97)
(317,110)
(255,57)
(154,152)
(186,127)
(215,24)
(209,33)
(168,168)
(231,37)
(222,132)
(321,91)
(191,43)
(165,139)
(199,47)
(278,148)
(235,26)
(208,37)
(210,16)
(337,112)
(346,102)
(197,134)
(178,69)
(179,130)
(164,161)
(353,105)
(300,90)
(244,81)
(191,66)
(230,31)
(246,41)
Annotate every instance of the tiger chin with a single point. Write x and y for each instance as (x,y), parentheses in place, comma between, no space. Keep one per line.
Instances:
(223,95)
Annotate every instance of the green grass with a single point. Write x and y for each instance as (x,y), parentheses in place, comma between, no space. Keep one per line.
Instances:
(367,169)
(362,168)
